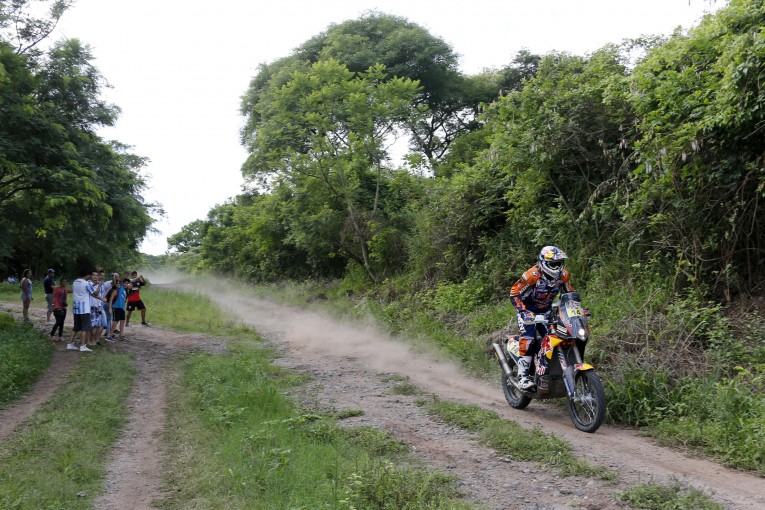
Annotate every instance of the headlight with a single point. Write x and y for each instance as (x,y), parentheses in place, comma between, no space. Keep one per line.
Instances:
(582,333)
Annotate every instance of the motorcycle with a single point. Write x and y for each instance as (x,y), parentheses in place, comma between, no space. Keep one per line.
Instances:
(558,368)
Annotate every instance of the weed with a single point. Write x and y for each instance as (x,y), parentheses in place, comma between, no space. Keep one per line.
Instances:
(667,497)
(406,388)
(348,413)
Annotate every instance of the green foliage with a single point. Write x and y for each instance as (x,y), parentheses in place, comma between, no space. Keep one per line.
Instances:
(701,172)
(24,355)
(348,413)
(385,487)
(61,185)
(320,141)
(699,386)
(407,51)
(667,497)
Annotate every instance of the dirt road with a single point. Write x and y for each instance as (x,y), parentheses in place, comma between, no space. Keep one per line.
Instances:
(351,367)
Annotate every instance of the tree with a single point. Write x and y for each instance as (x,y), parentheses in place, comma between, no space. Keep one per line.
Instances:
(61,185)
(701,109)
(323,133)
(24,30)
(406,50)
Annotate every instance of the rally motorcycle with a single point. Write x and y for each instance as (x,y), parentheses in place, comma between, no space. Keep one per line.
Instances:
(558,369)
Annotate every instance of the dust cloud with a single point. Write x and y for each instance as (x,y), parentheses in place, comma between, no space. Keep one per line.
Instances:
(360,342)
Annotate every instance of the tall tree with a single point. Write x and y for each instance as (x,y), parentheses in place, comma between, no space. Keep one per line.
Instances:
(701,109)
(324,133)
(66,195)
(407,50)
(23,28)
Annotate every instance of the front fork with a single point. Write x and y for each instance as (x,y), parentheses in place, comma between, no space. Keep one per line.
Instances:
(568,372)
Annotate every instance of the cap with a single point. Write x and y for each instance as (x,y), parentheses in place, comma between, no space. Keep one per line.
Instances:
(51,271)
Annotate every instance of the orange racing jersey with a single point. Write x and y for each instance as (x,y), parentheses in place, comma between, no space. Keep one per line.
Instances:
(536,294)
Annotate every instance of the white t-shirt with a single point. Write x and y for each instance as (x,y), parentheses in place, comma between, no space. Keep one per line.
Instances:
(81,292)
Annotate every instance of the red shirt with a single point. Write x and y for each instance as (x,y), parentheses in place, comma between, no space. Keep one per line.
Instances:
(59,297)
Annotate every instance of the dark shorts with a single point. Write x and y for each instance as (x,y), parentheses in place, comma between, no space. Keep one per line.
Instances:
(81,322)
(136,304)
(118,314)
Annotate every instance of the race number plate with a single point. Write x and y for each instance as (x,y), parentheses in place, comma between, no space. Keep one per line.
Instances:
(574,310)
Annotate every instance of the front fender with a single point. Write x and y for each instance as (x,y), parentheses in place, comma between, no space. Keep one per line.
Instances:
(554,342)
(581,367)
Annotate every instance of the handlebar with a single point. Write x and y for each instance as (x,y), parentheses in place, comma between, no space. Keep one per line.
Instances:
(538,319)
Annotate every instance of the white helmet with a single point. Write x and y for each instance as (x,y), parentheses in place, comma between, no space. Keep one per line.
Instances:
(551,262)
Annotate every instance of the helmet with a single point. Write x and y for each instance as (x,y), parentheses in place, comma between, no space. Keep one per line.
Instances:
(551,262)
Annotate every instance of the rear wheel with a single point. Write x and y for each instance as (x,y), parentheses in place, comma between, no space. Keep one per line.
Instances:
(588,407)
(513,395)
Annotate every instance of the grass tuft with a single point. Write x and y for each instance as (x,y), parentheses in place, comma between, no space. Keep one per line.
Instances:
(667,497)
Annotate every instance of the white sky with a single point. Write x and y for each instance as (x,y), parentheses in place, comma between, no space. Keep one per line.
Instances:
(179,67)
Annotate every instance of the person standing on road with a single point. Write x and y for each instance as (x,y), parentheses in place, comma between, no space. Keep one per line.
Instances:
(134,298)
(97,318)
(48,284)
(26,293)
(59,308)
(82,290)
(118,302)
(107,289)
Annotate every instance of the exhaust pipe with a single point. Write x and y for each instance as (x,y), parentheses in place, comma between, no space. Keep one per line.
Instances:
(502,359)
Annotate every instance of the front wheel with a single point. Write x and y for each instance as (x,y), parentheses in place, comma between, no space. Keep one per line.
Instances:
(588,407)
(513,395)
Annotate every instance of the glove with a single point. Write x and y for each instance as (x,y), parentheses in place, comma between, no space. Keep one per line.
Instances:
(523,317)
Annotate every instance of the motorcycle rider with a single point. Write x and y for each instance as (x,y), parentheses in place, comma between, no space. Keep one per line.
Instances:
(533,294)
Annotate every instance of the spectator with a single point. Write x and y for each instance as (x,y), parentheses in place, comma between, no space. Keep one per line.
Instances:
(106,292)
(134,298)
(26,293)
(48,284)
(118,302)
(82,290)
(59,307)
(97,319)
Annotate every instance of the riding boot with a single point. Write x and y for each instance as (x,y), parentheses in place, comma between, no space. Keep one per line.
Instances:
(524,381)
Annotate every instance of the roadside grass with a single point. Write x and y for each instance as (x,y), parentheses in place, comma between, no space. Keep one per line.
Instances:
(236,441)
(11,291)
(24,355)
(667,497)
(510,439)
(57,459)
(192,312)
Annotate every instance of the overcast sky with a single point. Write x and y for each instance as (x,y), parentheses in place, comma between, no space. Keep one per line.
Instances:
(178,68)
